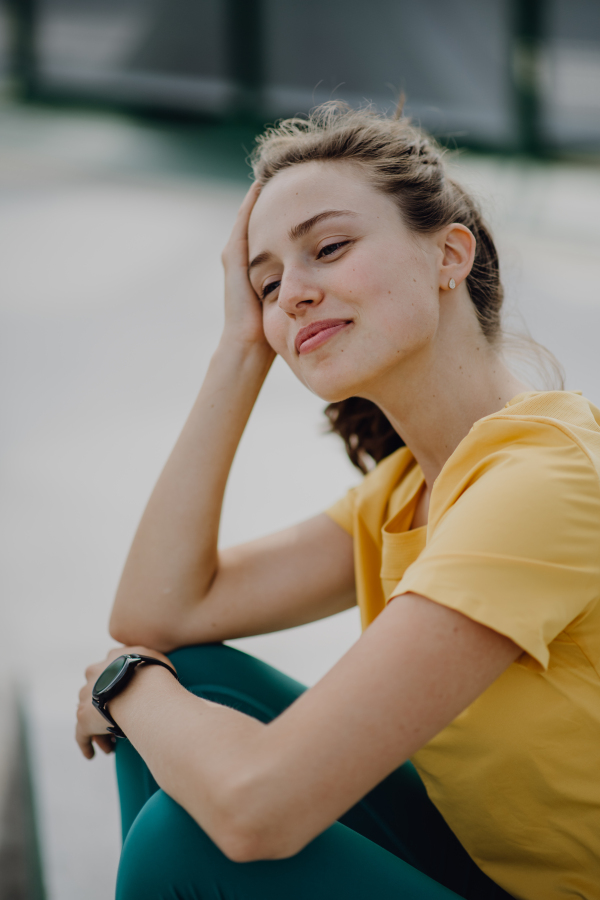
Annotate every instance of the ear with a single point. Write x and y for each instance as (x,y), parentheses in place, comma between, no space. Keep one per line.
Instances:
(458,252)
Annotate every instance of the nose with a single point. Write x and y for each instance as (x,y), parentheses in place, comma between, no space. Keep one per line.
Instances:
(298,292)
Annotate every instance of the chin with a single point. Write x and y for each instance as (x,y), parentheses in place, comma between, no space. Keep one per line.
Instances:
(333,379)
(331,389)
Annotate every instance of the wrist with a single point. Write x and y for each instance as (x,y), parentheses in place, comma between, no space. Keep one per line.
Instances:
(145,680)
(236,346)
(117,677)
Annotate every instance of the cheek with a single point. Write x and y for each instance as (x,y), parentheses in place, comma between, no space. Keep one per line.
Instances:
(383,272)
(274,327)
(396,296)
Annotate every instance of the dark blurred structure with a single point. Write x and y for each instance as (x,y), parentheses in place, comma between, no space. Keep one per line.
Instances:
(500,74)
(4,49)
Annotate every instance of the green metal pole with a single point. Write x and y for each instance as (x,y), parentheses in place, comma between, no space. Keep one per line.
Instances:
(22,16)
(527,48)
(34,876)
(245,32)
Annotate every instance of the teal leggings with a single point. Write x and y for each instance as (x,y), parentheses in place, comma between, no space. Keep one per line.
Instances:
(393,844)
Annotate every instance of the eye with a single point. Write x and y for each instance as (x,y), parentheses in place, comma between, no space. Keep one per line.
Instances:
(331,248)
(269,288)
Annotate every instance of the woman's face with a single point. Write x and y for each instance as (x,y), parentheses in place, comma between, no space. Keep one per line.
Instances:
(350,296)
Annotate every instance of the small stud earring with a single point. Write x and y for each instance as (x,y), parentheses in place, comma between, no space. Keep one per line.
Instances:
(452,284)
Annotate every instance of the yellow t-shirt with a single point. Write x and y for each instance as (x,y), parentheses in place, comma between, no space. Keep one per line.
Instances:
(513,542)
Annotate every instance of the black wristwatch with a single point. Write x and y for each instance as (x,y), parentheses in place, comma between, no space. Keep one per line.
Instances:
(115,677)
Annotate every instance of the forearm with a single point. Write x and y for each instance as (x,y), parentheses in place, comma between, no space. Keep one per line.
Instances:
(202,754)
(173,558)
(264,791)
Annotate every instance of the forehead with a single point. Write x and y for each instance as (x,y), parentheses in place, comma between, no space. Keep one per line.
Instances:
(299,192)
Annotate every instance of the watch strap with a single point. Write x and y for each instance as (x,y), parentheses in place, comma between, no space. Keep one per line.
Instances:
(132,661)
(113,727)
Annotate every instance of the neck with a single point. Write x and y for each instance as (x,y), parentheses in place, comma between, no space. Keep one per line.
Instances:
(433,399)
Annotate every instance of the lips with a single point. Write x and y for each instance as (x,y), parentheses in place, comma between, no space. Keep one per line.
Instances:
(317,333)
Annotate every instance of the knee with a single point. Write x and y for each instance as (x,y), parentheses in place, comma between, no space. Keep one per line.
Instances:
(200,662)
(234,678)
(166,854)
(196,652)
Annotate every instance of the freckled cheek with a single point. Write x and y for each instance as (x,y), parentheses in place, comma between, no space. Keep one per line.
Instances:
(276,331)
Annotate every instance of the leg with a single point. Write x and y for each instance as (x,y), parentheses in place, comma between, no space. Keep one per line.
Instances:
(215,672)
(397,814)
(168,857)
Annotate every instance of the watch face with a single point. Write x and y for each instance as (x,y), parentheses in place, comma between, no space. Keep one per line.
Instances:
(109,675)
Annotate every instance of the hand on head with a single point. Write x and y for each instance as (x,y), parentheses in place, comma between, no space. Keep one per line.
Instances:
(243,310)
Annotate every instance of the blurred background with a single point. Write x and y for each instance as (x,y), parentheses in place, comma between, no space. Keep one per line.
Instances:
(124,130)
(499,74)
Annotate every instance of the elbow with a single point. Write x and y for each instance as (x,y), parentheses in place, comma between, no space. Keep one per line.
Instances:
(124,632)
(241,846)
(137,633)
(251,829)
(244,844)
(116,630)
(133,631)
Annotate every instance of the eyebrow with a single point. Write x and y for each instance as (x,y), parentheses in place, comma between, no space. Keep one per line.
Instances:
(301,230)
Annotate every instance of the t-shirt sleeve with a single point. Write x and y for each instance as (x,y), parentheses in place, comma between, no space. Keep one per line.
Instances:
(342,511)
(517,548)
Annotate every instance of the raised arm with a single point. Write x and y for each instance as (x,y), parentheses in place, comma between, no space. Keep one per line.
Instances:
(175,587)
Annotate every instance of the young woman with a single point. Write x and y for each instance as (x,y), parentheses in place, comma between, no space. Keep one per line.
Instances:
(472,549)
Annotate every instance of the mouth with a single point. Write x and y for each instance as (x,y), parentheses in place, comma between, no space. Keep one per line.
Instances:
(315,334)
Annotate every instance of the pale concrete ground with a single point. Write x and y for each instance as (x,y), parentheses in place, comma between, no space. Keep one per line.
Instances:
(110,287)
